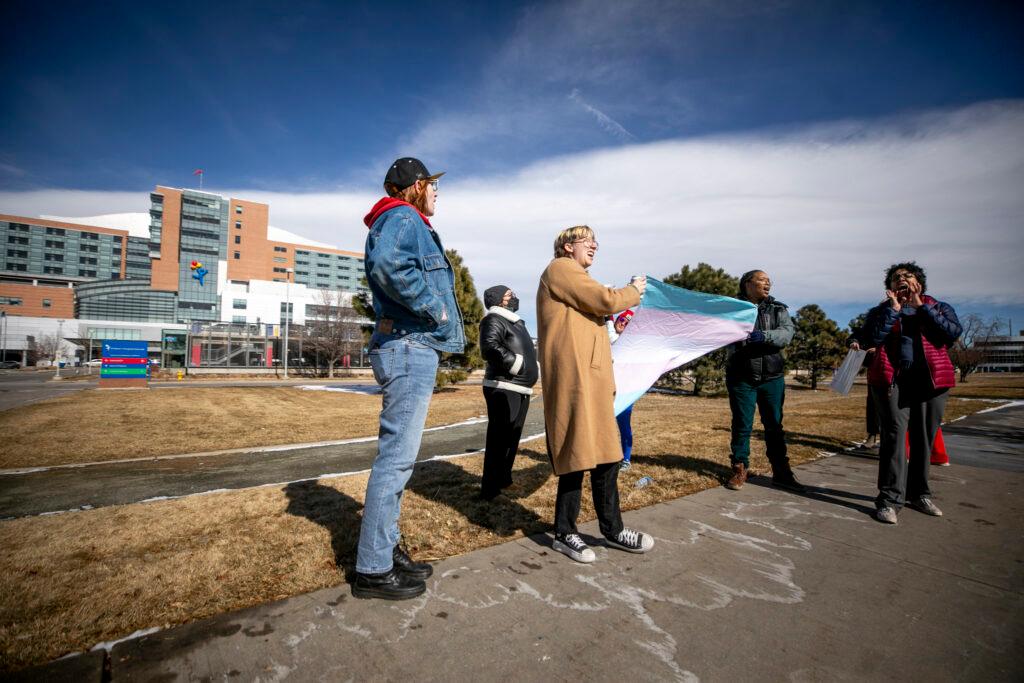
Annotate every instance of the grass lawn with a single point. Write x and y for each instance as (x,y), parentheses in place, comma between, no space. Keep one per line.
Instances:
(96,425)
(70,581)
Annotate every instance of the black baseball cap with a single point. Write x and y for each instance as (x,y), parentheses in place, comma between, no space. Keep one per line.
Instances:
(406,171)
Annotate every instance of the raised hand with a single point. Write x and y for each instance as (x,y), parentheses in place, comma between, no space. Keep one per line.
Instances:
(893,300)
(640,282)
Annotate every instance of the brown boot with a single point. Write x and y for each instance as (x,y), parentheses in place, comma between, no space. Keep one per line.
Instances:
(739,477)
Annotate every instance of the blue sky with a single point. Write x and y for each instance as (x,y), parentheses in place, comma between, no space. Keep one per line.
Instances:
(306,103)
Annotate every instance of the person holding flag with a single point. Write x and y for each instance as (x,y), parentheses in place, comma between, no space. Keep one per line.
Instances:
(755,376)
(579,392)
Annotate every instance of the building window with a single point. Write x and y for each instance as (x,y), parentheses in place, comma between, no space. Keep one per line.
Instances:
(10,301)
(238,224)
(238,319)
(238,239)
(16,239)
(283,250)
(280,259)
(238,255)
(239,304)
(54,244)
(55,231)
(280,270)
(20,266)
(87,260)
(238,209)
(50,270)
(18,253)
(46,303)
(86,273)
(88,247)
(53,257)
(89,236)
(115,276)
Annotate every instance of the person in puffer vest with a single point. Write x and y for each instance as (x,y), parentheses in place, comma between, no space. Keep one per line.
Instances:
(509,377)
(909,379)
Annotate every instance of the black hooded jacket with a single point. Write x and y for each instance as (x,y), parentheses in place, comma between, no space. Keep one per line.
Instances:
(509,352)
(757,362)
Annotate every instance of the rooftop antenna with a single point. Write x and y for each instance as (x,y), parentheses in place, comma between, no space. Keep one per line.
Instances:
(199,172)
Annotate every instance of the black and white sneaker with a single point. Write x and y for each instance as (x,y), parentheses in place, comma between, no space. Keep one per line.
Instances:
(572,545)
(631,541)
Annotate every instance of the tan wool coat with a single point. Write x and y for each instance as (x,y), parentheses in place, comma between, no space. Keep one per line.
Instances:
(576,365)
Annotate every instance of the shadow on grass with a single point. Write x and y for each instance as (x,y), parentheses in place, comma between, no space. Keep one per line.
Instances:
(701,466)
(815,441)
(334,511)
(448,484)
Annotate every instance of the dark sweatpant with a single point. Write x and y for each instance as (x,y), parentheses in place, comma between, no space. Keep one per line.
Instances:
(506,414)
(901,411)
(604,486)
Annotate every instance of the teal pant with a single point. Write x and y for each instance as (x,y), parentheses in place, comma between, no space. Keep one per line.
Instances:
(768,396)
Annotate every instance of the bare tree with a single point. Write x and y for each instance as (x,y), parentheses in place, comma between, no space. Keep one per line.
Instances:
(46,346)
(334,329)
(965,352)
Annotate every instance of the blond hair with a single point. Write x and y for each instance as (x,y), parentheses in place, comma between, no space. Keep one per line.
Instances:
(569,235)
(415,194)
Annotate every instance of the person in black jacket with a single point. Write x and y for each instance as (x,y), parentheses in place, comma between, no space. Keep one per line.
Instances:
(754,375)
(509,377)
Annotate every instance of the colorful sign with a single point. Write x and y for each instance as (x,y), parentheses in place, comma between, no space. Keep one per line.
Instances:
(125,360)
(198,272)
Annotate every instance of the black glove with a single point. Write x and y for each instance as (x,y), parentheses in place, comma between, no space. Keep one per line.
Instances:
(756,337)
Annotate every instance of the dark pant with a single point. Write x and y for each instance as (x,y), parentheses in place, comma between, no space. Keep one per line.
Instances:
(871,416)
(604,486)
(768,396)
(506,414)
(901,411)
(625,432)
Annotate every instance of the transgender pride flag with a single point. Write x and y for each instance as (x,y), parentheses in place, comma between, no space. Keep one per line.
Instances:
(673,326)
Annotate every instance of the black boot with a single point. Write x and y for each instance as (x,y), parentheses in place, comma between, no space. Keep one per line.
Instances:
(782,477)
(391,585)
(406,565)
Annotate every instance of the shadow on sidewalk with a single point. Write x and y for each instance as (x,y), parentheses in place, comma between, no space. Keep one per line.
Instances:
(334,511)
(822,494)
(701,466)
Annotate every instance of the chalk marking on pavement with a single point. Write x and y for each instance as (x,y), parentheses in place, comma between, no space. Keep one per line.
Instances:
(109,645)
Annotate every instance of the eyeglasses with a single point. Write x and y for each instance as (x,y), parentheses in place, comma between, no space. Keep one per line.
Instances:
(591,242)
(433,184)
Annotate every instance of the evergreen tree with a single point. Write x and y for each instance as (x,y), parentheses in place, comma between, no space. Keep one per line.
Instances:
(472,313)
(818,344)
(707,372)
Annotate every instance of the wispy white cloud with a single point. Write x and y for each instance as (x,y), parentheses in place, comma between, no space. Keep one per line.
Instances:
(607,122)
(823,209)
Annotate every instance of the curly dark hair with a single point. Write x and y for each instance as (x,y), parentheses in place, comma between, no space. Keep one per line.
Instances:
(912,268)
(747,277)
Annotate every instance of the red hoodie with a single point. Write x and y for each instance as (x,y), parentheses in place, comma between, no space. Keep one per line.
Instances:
(386,204)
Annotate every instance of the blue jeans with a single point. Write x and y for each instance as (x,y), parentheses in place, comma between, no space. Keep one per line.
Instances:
(406,370)
(625,432)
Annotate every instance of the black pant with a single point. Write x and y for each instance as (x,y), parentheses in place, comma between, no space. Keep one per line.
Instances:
(506,413)
(604,486)
(904,410)
(871,416)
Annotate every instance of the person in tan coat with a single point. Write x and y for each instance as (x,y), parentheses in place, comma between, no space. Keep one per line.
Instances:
(579,391)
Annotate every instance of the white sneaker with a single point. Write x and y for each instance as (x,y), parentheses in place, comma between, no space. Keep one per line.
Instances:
(631,541)
(926,506)
(572,545)
(887,515)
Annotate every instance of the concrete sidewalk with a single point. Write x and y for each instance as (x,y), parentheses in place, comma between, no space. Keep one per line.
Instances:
(757,584)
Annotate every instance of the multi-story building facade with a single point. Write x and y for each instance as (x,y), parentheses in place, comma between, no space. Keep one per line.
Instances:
(204,259)
(1002,353)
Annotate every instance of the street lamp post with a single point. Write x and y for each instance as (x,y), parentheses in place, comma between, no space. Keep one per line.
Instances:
(288,315)
(3,323)
(60,343)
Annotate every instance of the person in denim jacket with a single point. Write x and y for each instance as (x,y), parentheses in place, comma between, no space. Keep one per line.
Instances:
(417,317)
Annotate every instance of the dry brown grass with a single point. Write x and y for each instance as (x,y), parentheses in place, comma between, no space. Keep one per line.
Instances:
(70,581)
(1002,385)
(96,425)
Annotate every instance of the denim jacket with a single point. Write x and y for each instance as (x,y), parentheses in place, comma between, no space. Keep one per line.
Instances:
(412,282)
